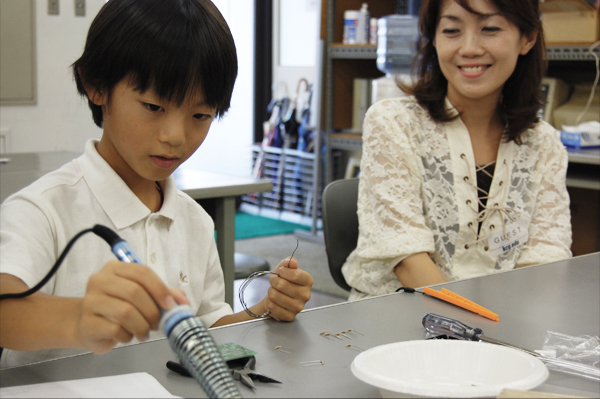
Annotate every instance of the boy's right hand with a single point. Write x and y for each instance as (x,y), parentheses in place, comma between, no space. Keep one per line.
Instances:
(121,303)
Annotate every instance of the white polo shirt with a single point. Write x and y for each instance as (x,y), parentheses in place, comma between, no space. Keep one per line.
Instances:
(177,242)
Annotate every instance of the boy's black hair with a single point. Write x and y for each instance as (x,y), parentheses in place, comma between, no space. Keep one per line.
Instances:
(172,46)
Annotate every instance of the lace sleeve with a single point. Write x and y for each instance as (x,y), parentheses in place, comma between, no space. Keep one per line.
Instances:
(550,229)
(390,204)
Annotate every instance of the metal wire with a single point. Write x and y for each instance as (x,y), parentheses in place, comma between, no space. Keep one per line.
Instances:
(251,277)
(293,252)
(243,288)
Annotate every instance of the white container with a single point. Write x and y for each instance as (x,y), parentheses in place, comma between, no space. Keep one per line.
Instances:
(350,26)
(364,27)
(386,87)
(447,369)
(373,31)
(397,42)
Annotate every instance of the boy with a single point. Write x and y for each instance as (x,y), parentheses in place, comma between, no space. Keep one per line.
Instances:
(155,73)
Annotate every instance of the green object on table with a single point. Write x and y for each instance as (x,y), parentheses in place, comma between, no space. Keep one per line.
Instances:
(233,351)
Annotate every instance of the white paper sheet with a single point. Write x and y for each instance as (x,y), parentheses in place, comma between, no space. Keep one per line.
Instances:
(135,385)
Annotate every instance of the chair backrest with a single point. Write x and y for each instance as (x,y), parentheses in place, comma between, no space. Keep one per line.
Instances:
(340,225)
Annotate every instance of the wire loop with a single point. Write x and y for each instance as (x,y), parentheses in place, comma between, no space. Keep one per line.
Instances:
(251,277)
(243,288)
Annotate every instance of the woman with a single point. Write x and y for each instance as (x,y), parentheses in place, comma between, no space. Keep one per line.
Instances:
(461,178)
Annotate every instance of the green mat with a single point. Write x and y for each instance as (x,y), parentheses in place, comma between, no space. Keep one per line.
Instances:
(250,226)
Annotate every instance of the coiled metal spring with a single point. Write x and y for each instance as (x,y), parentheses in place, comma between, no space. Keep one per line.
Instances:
(199,353)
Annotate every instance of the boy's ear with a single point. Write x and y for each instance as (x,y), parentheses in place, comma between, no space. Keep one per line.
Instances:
(95,95)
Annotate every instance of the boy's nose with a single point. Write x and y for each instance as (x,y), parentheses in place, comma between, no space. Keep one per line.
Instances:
(173,132)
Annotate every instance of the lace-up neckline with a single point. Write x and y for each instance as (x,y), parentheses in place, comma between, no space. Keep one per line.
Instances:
(485,174)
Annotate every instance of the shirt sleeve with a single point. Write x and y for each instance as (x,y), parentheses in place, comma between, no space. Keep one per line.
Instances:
(550,229)
(211,294)
(390,206)
(213,305)
(26,241)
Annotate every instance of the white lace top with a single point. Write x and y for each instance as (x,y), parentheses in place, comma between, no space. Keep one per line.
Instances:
(418,193)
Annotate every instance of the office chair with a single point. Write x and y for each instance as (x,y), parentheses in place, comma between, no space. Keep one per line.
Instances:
(340,225)
(245,265)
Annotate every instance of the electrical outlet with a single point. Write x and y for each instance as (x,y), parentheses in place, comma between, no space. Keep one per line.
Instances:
(80,8)
(53,7)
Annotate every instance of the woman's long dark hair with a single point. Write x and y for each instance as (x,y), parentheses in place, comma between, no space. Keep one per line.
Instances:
(521,96)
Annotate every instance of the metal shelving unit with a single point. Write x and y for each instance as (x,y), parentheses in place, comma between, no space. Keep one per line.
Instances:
(353,142)
(335,51)
(555,53)
(571,53)
(341,51)
(339,65)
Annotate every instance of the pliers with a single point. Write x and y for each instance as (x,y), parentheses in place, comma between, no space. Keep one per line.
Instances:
(247,374)
(243,372)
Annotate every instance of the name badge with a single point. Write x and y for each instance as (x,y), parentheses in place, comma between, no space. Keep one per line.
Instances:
(516,233)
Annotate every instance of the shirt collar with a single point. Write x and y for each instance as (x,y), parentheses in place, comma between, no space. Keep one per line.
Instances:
(452,111)
(169,206)
(121,205)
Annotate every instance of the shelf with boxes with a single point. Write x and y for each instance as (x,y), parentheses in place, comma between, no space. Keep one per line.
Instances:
(343,65)
(569,60)
(352,51)
(353,142)
(346,63)
(571,53)
(578,52)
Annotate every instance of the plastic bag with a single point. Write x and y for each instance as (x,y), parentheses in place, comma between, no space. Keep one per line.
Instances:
(582,354)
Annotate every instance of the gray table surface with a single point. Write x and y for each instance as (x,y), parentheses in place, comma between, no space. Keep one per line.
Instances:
(22,169)
(562,297)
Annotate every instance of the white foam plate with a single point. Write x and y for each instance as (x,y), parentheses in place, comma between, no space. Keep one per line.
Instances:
(447,368)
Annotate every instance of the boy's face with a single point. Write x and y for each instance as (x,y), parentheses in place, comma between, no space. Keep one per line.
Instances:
(145,138)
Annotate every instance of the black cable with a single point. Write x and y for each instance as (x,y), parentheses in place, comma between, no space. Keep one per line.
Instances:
(408,289)
(50,273)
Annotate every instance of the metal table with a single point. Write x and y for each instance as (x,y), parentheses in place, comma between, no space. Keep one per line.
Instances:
(216,193)
(561,296)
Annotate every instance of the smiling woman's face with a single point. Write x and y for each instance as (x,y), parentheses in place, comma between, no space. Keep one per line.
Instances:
(477,53)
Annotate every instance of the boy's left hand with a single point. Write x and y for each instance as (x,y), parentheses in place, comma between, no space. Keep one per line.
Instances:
(289,291)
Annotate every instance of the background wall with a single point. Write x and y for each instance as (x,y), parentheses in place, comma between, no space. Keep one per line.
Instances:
(61,120)
(228,146)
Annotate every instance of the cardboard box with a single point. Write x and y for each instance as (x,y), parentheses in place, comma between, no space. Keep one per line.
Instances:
(569,22)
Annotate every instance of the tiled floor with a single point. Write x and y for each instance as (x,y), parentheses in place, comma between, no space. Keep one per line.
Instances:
(257,290)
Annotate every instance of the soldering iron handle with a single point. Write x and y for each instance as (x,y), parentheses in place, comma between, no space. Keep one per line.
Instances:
(437,324)
(188,336)
(441,325)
